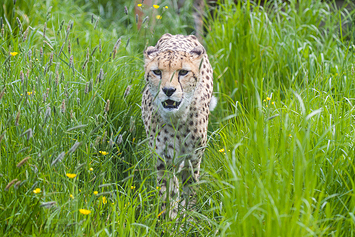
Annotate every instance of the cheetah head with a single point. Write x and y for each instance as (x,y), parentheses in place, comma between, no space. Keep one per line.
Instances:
(172,77)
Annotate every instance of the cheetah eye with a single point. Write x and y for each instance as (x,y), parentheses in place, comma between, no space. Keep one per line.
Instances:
(157,72)
(183,72)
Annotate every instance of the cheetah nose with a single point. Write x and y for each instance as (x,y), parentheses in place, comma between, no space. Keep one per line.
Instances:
(169,91)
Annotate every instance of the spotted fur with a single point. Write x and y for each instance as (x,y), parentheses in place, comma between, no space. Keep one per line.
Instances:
(178,135)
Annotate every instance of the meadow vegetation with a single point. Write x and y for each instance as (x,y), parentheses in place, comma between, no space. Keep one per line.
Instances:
(73,153)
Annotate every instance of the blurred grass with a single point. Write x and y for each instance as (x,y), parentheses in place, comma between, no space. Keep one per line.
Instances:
(279,157)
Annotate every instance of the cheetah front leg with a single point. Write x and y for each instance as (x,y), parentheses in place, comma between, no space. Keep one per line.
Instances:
(190,175)
(167,180)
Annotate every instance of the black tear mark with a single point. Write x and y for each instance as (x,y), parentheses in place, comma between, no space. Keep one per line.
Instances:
(194,76)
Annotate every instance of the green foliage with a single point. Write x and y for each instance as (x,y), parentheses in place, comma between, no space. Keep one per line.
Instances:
(279,156)
(277,46)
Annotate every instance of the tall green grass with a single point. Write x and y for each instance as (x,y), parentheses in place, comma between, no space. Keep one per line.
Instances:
(284,75)
(279,156)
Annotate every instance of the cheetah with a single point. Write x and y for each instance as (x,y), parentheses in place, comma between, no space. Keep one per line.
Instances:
(176,103)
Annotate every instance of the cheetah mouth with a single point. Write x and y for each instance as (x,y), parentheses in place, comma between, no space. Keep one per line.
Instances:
(171,104)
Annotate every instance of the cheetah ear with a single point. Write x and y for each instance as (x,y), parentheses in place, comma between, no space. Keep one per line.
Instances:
(150,53)
(197,52)
(166,35)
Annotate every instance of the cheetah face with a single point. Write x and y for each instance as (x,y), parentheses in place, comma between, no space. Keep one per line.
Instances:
(172,77)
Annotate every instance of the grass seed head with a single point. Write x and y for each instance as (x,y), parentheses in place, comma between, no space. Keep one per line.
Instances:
(97,21)
(132,124)
(118,43)
(29,55)
(58,159)
(87,53)
(62,107)
(125,10)
(69,49)
(8,186)
(114,53)
(104,137)
(136,18)
(61,49)
(41,52)
(85,63)
(128,89)
(60,27)
(50,59)
(48,204)
(107,107)
(22,162)
(71,61)
(86,88)
(19,25)
(93,51)
(17,118)
(100,76)
(145,19)
(56,78)
(48,12)
(29,133)
(44,29)
(62,77)
(74,147)
(24,37)
(100,47)
(22,76)
(128,41)
(119,139)
(17,184)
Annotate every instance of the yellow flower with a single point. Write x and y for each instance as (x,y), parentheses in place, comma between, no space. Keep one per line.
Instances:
(158,17)
(264,100)
(273,103)
(37,190)
(221,150)
(13,53)
(29,93)
(267,106)
(158,188)
(104,200)
(139,5)
(103,152)
(96,192)
(268,98)
(91,169)
(71,176)
(166,7)
(133,139)
(156,6)
(36,59)
(133,187)
(71,195)
(84,211)
(161,213)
